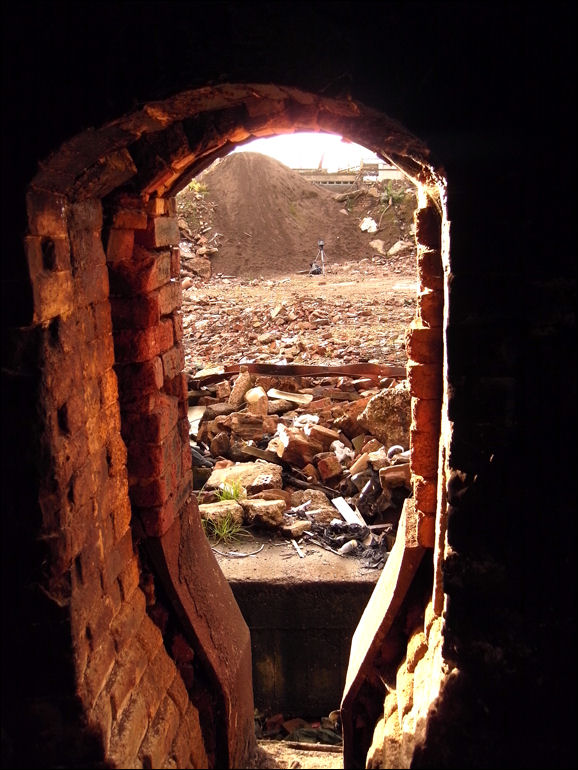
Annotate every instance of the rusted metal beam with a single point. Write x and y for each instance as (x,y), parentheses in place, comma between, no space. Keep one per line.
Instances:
(371,371)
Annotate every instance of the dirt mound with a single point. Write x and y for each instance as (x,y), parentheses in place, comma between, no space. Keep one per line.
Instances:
(269,219)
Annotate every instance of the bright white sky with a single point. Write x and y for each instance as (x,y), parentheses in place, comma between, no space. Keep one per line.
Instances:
(304,150)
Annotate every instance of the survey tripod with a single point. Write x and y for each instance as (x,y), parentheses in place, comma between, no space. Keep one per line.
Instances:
(318,264)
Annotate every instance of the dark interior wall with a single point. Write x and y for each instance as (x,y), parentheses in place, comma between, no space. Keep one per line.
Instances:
(490,89)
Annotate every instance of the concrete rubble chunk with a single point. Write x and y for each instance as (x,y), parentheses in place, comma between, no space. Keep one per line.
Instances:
(295,447)
(387,415)
(263,513)
(245,475)
(319,507)
(241,385)
(395,476)
(295,529)
(257,401)
(252,427)
(329,467)
(218,511)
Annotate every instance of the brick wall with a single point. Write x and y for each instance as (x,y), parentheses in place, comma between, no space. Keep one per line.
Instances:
(504,561)
(134,702)
(420,677)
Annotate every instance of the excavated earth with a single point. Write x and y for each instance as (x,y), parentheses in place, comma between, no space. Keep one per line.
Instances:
(249,239)
(250,228)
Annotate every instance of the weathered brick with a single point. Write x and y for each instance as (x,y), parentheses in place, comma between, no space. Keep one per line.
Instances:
(425,494)
(91,285)
(84,482)
(125,626)
(132,219)
(128,578)
(108,538)
(173,361)
(53,295)
(101,426)
(329,467)
(429,268)
(178,692)
(99,667)
(160,735)
(178,326)
(147,461)
(157,207)
(430,307)
(151,493)
(46,255)
(150,638)
(416,649)
(150,691)
(102,318)
(425,380)
(85,215)
(115,595)
(186,456)
(143,377)
(404,690)
(120,245)
(98,356)
(128,733)
(150,419)
(121,516)
(177,386)
(100,718)
(424,448)
(46,213)
(116,455)
(86,251)
(147,271)
(108,384)
(426,414)
(137,312)
(113,493)
(423,344)
(161,231)
(175,262)
(171,295)
(82,651)
(428,227)
(165,669)
(142,345)
(117,558)
(99,621)
(72,415)
(158,520)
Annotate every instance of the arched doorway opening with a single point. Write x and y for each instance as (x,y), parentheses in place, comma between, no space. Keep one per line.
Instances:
(104,270)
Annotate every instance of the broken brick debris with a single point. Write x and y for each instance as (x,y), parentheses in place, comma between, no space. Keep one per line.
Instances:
(298,472)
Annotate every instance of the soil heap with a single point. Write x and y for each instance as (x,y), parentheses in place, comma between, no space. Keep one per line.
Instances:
(266,219)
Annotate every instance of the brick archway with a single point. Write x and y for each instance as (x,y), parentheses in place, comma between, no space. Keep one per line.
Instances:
(103,268)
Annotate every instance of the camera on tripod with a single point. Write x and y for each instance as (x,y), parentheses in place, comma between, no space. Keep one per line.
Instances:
(318,264)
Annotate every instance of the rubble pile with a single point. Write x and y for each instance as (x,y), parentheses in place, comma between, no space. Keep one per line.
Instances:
(326,731)
(316,456)
(219,322)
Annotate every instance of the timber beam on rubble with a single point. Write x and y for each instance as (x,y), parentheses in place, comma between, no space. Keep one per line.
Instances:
(370,371)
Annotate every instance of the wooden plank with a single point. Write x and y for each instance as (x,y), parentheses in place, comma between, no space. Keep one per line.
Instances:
(299,551)
(350,515)
(296,398)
